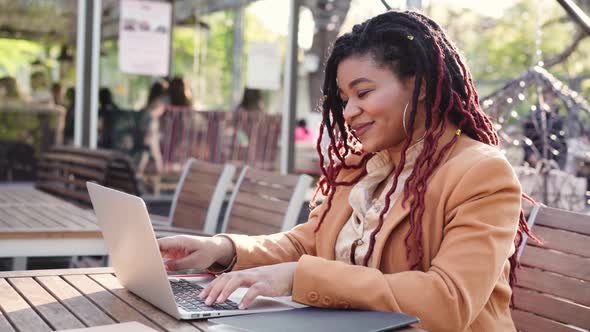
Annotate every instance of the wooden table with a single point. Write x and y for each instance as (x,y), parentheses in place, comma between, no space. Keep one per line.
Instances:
(46,300)
(34,223)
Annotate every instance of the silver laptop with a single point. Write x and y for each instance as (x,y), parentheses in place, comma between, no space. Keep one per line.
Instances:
(132,246)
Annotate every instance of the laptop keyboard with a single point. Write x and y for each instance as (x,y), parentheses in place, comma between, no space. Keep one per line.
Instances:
(186,295)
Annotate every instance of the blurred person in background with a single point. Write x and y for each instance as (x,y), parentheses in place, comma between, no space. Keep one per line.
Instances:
(40,88)
(106,110)
(9,88)
(150,126)
(252,101)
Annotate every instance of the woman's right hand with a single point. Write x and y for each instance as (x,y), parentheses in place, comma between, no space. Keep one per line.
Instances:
(195,252)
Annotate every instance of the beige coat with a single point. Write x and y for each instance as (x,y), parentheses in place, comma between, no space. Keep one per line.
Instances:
(469,224)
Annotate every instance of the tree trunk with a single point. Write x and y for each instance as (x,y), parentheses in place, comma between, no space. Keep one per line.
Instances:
(322,40)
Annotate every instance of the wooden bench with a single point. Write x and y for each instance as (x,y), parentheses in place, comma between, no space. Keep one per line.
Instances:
(553,287)
(63,171)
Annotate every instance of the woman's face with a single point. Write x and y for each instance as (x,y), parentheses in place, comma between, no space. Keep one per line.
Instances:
(374,101)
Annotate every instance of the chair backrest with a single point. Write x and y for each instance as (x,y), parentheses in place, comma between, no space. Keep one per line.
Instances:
(17,161)
(553,287)
(264,202)
(64,170)
(199,196)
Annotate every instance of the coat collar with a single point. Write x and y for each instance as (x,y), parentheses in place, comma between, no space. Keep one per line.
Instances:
(338,216)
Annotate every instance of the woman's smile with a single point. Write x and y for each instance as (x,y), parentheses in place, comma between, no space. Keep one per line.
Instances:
(361,128)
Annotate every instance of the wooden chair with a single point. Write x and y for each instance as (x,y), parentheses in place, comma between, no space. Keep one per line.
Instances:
(265,202)
(64,170)
(553,287)
(198,199)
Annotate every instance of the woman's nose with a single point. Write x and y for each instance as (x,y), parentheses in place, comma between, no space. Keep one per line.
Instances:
(350,111)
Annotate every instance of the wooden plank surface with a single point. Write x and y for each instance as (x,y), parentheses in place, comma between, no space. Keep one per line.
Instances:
(107,302)
(26,212)
(4,324)
(551,307)
(554,284)
(80,306)
(564,241)
(18,311)
(56,272)
(47,306)
(558,262)
(169,323)
(527,322)
(74,298)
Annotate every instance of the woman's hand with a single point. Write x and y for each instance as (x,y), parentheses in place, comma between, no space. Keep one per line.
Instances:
(270,280)
(195,252)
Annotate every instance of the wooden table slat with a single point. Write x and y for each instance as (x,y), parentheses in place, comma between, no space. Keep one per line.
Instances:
(13,220)
(56,272)
(4,324)
(18,310)
(93,296)
(78,305)
(67,217)
(107,302)
(168,322)
(49,216)
(33,218)
(47,306)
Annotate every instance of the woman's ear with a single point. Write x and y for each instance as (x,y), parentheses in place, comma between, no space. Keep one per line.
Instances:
(411,83)
(422,94)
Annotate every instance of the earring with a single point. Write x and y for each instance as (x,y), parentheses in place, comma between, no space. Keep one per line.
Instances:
(404,118)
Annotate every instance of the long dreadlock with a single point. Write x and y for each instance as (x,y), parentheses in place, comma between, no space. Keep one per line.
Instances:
(409,44)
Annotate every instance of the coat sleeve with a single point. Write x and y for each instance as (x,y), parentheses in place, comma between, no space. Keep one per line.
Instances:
(253,251)
(483,211)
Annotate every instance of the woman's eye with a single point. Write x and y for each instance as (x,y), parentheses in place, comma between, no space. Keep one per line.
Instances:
(363,93)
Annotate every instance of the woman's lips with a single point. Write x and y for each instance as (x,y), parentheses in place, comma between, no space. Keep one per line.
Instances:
(359,130)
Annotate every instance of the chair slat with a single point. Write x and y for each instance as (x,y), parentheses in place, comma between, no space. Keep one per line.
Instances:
(264,217)
(250,227)
(263,203)
(192,218)
(563,241)
(554,284)
(566,220)
(276,178)
(265,190)
(528,322)
(552,307)
(550,260)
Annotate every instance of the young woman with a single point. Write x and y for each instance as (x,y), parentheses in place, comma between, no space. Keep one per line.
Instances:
(422,211)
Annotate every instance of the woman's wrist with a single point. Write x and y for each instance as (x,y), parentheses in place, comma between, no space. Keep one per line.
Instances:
(226,246)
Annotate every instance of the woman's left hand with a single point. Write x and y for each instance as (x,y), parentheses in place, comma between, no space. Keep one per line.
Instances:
(270,280)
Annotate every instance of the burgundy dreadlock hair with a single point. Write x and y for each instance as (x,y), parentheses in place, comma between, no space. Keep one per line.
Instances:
(409,44)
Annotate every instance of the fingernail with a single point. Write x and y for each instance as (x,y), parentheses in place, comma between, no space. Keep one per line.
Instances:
(209,301)
(220,299)
(242,306)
